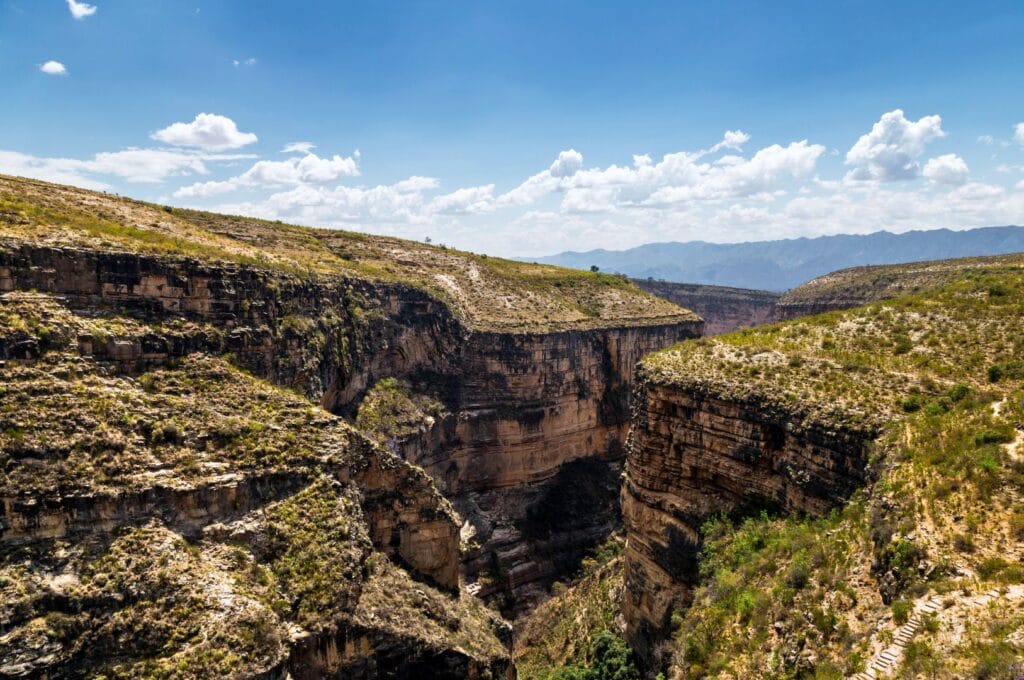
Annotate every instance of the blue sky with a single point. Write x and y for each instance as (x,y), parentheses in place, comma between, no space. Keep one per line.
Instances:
(524,128)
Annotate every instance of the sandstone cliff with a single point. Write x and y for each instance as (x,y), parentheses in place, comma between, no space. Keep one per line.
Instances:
(530,366)
(723,309)
(193,520)
(751,550)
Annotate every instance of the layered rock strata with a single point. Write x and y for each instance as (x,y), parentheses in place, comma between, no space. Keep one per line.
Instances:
(194,520)
(521,405)
(723,309)
(693,453)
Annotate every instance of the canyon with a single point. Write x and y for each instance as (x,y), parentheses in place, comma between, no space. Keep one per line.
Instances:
(348,454)
(808,471)
(723,309)
(695,453)
(532,376)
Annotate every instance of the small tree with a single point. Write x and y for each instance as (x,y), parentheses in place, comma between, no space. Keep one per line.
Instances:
(594,268)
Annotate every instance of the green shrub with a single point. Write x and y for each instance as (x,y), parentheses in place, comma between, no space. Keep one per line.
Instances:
(958,392)
(1002,435)
(610,659)
(911,403)
(901,611)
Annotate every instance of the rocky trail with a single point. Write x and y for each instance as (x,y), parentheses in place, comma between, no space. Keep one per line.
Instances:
(886,662)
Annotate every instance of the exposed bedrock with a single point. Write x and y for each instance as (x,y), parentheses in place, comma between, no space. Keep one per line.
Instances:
(723,309)
(406,517)
(692,454)
(520,405)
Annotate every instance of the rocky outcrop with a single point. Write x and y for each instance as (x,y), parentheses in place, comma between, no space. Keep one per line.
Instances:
(693,453)
(723,309)
(522,406)
(195,520)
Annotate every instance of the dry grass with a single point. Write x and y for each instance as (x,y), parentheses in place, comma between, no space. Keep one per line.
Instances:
(486,293)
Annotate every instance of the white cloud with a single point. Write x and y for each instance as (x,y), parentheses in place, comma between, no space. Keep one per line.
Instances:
(294,171)
(718,193)
(987,140)
(298,147)
(946,169)
(888,153)
(208,131)
(401,203)
(251,61)
(131,165)
(976,191)
(53,68)
(1018,133)
(81,10)
(733,139)
(678,177)
(567,164)
(470,200)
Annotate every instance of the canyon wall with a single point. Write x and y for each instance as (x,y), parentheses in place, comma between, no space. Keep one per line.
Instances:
(530,451)
(723,309)
(692,454)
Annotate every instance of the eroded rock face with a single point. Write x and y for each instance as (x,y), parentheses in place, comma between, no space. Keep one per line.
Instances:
(692,454)
(523,409)
(521,406)
(723,309)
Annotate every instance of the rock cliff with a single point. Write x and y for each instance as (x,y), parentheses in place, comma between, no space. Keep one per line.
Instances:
(194,520)
(723,309)
(800,496)
(529,366)
(694,454)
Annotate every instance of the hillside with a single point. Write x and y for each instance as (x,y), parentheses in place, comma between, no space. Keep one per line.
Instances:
(240,448)
(860,285)
(781,265)
(833,496)
(486,293)
(192,521)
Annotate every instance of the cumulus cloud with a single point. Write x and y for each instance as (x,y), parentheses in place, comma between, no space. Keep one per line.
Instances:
(298,147)
(470,200)
(718,193)
(401,203)
(1018,133)
(567,164)
(53,68)
(946,169)
(208,131)
(733,139)
(889,151)
(81,10)
(294,171)
(977,191)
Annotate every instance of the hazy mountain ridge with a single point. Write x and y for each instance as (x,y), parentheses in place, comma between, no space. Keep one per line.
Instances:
(784,264)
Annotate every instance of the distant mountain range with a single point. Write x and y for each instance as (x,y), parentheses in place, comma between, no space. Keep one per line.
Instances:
(781,265)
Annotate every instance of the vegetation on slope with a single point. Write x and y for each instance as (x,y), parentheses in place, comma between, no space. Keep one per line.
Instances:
(861,285)
(485,292)
(939,375)
(576,635)
(171,566)
(389,412)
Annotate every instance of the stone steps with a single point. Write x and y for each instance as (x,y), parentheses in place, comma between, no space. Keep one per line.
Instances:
(888,660)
